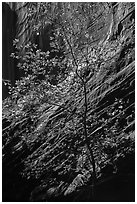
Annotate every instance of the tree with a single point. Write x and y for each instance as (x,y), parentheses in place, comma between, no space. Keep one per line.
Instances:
(73,23)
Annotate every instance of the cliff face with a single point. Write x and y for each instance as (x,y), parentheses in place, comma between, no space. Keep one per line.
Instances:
(9,70)
(54,163)
(13,15)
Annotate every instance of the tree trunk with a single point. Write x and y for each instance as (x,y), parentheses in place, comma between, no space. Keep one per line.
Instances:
(88,143)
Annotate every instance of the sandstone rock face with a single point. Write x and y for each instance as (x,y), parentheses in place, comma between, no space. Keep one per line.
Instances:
(110,120)
(79,181)
(9,19)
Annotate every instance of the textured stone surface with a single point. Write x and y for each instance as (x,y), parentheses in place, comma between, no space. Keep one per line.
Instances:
(110,119)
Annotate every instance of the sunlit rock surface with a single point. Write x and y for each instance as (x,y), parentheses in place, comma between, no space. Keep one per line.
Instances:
(43,166)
